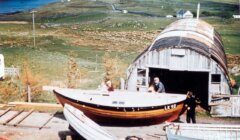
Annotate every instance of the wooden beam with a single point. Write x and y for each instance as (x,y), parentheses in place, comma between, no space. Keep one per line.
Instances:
(160,134)
(32,105)
(11,118)
(5,111)
(23,117)
(28,126)
(8,105)
(153,136)
(224,95)
(220,103)
(47,120)
(2,105)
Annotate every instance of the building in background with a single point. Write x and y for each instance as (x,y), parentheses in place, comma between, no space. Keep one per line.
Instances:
(184,14)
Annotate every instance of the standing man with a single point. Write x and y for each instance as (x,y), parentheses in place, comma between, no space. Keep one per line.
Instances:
(158,85)
(191,104)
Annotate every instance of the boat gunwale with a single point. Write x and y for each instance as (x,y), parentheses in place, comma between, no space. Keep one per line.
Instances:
(179,130)
(120,109)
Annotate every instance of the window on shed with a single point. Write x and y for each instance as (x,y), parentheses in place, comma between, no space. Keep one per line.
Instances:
(178,52)
(141,77)
(216,78)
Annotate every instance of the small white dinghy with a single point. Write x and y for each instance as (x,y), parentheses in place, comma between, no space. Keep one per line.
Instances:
(87,128)
(183,131)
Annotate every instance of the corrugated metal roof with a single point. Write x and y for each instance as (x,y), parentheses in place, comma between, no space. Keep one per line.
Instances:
(194,34)
(181,42)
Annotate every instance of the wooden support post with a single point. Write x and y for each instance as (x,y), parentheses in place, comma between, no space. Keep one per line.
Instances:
(29,93)
(23,117)
(11,118)
(47,121)
(5,111)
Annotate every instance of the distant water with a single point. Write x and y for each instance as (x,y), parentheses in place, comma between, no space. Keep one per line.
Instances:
(12,6)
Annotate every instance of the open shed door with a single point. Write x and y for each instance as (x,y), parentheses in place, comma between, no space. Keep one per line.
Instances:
(183,81)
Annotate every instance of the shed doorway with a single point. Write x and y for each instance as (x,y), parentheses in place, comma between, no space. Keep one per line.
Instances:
(183,81)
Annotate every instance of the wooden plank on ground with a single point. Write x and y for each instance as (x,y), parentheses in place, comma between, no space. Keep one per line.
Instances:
(154,136)
(5,111)
(28,126)
(23,117)
(26,104)
(48,120)
(2,105)
(11,118)
(8,105)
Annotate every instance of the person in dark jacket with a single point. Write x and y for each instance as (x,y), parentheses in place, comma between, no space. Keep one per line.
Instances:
(190,104)
(158,85)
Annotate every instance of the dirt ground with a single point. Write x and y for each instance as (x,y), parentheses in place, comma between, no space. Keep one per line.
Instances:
(57,128)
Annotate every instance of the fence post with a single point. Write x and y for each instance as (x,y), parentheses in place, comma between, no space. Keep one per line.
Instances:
(29,93)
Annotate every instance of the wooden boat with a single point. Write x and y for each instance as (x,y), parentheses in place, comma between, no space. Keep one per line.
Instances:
(123,105)
(84,126)
(181,131)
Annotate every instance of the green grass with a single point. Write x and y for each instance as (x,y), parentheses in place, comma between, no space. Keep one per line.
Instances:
(49,58)
(163,7)
(230,33)
(231,43)
(78,18)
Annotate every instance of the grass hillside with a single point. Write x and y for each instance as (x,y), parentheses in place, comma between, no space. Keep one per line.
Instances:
(89,29)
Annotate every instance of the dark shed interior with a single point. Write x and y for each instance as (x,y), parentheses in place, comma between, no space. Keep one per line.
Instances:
(183,81)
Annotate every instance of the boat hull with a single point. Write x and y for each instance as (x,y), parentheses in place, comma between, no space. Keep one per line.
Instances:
(100,114)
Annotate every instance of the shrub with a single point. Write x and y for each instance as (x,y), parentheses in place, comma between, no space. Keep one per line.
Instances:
(9,91)
(73,75)
(114,69)
(34,81)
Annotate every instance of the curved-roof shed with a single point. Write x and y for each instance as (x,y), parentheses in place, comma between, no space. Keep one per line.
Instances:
(187,55)
(193,34)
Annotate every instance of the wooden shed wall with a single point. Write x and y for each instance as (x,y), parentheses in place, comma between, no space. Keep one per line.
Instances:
(175,59)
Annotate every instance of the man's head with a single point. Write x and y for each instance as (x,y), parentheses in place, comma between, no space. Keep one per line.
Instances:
(189,94)
(156,80)
(109,83)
